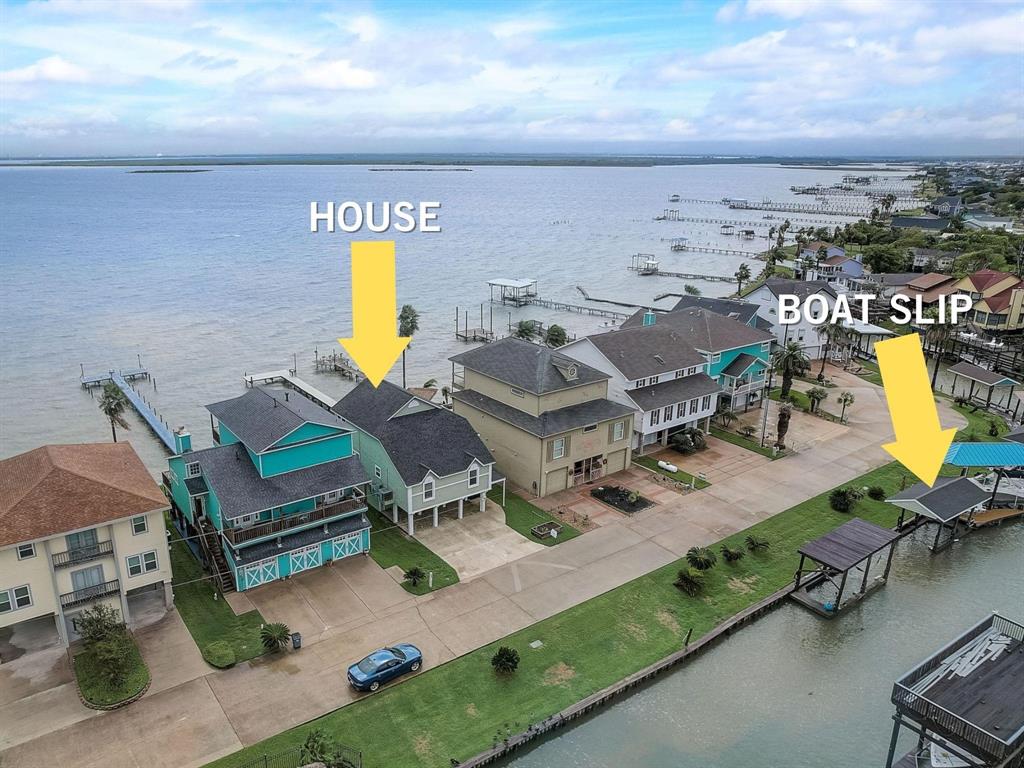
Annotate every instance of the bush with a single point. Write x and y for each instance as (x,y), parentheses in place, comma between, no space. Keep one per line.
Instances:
(506,660)
(98,623)
(993,428)
(113,656)
(877,493)
(275,636)
(731,555)
(690,581)
(414,575)
(756,544)
(701,558)
(748,430)
(842,499)
(219,654)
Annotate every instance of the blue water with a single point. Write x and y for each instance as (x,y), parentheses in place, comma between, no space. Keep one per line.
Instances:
(210,275)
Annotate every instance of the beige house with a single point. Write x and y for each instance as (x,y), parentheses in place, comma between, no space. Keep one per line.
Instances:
(80,525)
(545,417)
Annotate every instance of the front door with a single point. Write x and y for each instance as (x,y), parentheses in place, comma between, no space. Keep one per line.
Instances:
(199,506)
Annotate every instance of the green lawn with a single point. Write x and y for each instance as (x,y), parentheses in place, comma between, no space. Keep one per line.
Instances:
(460,708)
(210,620)
(978,424)
(870,372)
(745,442)
(389,545)
(521,515)
(99,691)
(683,477)
(802,401)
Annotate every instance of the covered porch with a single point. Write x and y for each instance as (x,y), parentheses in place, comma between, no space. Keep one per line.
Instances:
(455,508)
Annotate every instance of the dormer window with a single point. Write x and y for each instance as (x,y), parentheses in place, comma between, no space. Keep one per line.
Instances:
(428,490)
(474,477)
(192,469)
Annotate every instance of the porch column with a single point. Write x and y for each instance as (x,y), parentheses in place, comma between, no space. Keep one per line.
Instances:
(394,513)
(460,508)
(435,516)
(412,525)
(483,501)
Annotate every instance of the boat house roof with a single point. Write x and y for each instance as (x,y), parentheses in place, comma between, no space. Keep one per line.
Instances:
(949,498)
(1006,455)
(850,543)
(982,375)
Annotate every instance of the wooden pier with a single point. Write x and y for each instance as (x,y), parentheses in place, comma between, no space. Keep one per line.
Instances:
(644,265)
(676,246)
(123,379)
(771,222)
(480,333)
(287,376)
(336,362)
(580,309)
(825,210)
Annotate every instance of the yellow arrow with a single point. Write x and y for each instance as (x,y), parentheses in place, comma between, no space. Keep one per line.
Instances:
(921,442)
(375,344)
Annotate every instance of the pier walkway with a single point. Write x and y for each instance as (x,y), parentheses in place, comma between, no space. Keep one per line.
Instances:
(287,376)
(122,380)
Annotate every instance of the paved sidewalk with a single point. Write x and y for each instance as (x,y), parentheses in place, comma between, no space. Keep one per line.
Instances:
(197,721)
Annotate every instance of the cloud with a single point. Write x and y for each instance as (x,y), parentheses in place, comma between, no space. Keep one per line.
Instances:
(366,28)
(319,75)
(517,27)
(52,69)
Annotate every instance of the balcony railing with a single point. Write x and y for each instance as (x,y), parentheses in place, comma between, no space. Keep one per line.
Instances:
(165,477)
(88,594)
(83,554)
(744,386)
(216,434)
(284,525)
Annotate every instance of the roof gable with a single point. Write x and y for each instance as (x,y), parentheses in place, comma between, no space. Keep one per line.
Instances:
(710,332)
(646,351)
(262,417)
(531,367)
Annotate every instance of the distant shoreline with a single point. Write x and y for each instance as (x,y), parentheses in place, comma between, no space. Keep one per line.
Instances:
(172,170)
(456,162)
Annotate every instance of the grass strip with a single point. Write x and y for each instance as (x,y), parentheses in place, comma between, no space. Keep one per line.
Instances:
(683,477)
(390,545)
(521,516)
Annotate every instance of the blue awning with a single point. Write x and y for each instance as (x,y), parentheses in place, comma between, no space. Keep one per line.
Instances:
(1003,455)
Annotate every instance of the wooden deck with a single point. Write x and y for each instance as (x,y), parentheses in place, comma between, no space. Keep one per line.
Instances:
(288,377)
(994,516)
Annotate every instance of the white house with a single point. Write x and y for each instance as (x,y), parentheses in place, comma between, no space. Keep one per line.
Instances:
(766,296)
(658,374)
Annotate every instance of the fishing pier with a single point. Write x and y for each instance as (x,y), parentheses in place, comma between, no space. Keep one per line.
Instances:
(123,379)
(825,209)
(523,293)
(335,362)
(287,376)
(680,244)
(645,266)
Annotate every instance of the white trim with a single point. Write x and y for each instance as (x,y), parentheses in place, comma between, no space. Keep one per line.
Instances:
(470,474)
(32,551)
(277,447)
(143,567)
(13,598)
(433,489)
(145,524)
(557,452)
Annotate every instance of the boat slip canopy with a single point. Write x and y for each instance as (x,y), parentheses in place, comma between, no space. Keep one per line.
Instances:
(1004,455)
(982,375)
(949,498)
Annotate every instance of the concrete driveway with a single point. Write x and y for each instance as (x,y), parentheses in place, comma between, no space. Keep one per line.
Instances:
(477,543)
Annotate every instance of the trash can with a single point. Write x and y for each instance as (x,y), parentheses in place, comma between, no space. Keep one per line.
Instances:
(296,640)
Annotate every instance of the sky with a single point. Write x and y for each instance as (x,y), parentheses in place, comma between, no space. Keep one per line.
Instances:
(784,77)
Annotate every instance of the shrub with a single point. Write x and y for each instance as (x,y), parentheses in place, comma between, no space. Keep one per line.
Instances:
(506,660)
(842,499)
(690,581)
(701,558)
(98,623)
(731,555)
(993,428)
(877,492)
(756,544)
(414,575)
(275,636)
(113,655)
(748,430)
(219,654)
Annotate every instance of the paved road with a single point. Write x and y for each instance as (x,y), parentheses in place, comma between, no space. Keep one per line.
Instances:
(193,715)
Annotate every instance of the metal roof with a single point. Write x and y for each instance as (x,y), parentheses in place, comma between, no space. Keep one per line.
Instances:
(1004,454)
(510,282)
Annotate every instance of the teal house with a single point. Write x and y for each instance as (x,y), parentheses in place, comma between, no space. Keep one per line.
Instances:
(280,493)
(423,460)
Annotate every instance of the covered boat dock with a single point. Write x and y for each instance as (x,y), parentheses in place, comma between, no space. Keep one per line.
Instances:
(942,504)
(850,547)
(985,378)
(516,292)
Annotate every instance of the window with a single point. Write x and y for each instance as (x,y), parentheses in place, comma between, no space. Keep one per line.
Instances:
(680,373)
(376,472)
(474,477)
(716,357)
(139,525)
(654,379)
(641,382)
(193,469)
(680,410)
(693,406)
(655,418)
(800,335)
(618,430)
(81,540)
(517,392)
(705,402)
(246,520)
(25,551)
(667,413)
(766,346)
(590,428)
(140,564)
(558,448)
(12,599)
(428,490)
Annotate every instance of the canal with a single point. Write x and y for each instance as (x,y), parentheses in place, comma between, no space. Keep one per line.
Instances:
(796,691)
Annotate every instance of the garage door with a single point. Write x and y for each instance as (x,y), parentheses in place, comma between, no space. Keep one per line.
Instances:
(253,575)
(616,461)
(304,559)
(347,545)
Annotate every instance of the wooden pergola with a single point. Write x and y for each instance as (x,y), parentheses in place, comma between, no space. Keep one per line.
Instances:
(839,552)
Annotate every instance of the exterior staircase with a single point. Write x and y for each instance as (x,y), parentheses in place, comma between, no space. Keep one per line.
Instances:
(209,540)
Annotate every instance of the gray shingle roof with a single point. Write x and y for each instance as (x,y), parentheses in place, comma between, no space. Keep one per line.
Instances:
(920,222)
(801,288)
(710,332)
(673,391)
(734,308)
(739,365)
(302,538)
(646,351)
(261,417)
(233,477)
(432,439)
(550,422)
(528,366)
(948,498)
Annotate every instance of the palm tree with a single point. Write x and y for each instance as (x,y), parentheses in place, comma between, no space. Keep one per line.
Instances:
(556,336)
(822,253)
(834,334)
(525,329)
(742,276)
(408,324)
(845,399)
(938,334)
(690,581)
(816,395)
(691,290)
(701,558)
(789,361)
(785,413)
(114,403)
(430,384)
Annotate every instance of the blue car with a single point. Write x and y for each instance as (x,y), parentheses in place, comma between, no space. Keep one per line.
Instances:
(384,665)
